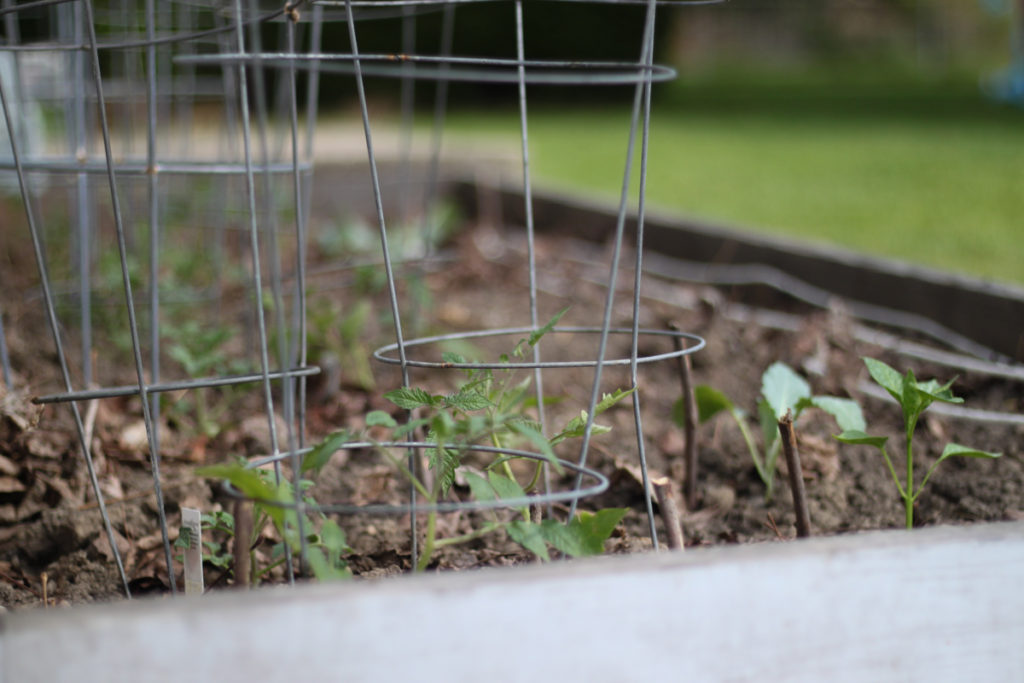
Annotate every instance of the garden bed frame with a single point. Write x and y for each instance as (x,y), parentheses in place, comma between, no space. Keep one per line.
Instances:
(933,604)
(888,291)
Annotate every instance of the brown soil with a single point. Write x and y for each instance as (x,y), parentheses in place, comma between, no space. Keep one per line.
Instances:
(49,524)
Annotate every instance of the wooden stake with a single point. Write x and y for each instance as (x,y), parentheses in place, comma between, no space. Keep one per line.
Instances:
(796,476)
(241,549)
(669,512)
(690,420)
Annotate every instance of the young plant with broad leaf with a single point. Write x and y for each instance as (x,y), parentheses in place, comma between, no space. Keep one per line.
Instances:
(914,397)
(782,390)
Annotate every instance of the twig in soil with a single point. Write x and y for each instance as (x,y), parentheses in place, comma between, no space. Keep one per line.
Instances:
(669,512)
(796,476)
(689,422)
(241,548)
(774,527)
(20,584)
(45,578)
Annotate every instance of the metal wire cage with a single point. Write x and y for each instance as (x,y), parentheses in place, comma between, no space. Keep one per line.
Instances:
(176,143)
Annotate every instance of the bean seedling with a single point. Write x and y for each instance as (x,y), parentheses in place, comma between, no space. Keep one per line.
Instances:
(914,398)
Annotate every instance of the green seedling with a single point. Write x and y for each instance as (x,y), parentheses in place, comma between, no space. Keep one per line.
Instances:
(492,408)
(489,408)
(274,503)
(200,350)
(215,552)
(342,333)
(782,391)
(914,398)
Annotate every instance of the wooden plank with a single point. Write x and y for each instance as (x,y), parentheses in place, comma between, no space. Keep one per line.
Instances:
(941,604)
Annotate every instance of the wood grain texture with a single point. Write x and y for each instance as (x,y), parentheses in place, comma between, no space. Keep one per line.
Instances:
(943,604)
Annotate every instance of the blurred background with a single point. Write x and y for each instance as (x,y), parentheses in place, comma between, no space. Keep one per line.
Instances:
(887,126)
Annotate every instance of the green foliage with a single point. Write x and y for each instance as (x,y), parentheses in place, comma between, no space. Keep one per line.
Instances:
(782,391)
(333,329)
(274,503)
(215,552)
(487,408)
(491,407)
(201,351)
(914,397)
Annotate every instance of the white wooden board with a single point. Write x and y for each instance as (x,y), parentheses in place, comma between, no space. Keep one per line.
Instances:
(933,605)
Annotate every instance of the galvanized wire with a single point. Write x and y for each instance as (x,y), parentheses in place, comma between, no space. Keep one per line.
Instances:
(173,41)
(87,110)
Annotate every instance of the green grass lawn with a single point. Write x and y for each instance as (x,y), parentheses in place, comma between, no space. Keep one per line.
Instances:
(936,178)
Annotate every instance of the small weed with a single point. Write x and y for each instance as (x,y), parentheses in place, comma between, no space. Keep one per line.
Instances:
(914,398)
(782,390)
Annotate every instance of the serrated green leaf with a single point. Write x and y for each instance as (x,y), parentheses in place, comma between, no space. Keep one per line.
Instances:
(782,388)
(529,536)
(467,401)
(479,487)
(857,437)
(577,426)
(955,450)
(846,412)
(411,398)
(379,418)
(710,402)
(444,462)
(322,452)
(886,377)
(506,488)
(536,335)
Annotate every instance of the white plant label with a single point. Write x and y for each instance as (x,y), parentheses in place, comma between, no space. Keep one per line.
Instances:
(191,519)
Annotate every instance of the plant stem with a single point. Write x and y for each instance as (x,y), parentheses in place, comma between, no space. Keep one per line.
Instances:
(428,542)
(908,491)
(242,543)
(690,419)
(669,512)
(796,475)
(455,540)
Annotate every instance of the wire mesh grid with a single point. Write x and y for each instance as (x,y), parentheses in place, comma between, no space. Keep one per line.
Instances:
(149,190)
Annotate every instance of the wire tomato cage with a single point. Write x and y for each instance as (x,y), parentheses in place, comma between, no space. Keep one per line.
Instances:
(135,87)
